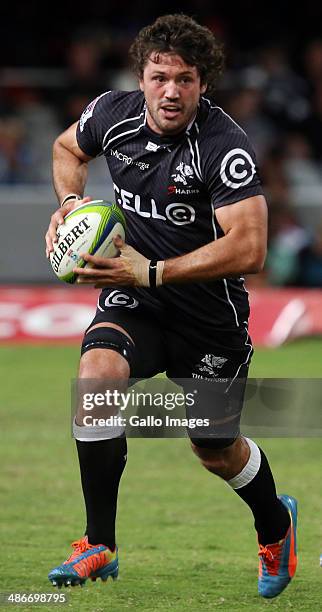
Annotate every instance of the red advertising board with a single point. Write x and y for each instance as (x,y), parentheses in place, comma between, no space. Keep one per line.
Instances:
(50,314)
(278,315)
(45,314)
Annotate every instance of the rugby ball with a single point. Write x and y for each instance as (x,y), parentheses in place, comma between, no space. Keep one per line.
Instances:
(89,228)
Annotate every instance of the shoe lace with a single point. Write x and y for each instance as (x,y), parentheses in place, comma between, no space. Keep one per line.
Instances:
(271,556)
(80,546)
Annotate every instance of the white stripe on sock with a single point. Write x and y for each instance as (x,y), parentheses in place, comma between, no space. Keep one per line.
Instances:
(95,434)
(251,468)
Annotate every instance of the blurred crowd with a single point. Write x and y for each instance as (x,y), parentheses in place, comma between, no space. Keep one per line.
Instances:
(276,100)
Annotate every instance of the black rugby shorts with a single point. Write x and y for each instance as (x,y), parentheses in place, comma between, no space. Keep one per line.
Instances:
(166,341)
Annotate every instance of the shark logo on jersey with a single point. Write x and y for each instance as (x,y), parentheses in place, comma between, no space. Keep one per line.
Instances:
(184,174)
(210,365)
(237,169)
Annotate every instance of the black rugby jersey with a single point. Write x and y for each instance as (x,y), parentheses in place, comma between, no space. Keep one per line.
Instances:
(169,188)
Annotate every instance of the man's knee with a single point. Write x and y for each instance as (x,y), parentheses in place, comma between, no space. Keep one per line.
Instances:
(214,454)
(107,351)
(104,369)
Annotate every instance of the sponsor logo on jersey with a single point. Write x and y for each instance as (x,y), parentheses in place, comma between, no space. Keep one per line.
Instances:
(179,191)
(125,159)
(209,366)
(237,168)
(152,146)
(119,298)
(184,174)
(178,213)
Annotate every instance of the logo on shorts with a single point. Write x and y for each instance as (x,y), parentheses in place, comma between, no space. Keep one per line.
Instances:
(118,298)
(237,168)
(210,366)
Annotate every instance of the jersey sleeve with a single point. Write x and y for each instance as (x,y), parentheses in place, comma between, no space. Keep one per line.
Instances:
(230,169)
(94,123)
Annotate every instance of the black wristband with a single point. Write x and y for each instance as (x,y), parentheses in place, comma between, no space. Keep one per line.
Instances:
(153,273)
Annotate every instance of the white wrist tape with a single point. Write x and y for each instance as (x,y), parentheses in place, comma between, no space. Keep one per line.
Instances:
(140,267)
(160,267)
(137,264)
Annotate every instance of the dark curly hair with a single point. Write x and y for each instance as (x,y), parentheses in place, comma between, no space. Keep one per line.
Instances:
(181,35)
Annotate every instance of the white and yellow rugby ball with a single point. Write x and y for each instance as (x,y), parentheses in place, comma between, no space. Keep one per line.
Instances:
(90,228)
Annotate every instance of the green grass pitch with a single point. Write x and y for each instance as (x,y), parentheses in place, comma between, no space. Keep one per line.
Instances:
(186,541)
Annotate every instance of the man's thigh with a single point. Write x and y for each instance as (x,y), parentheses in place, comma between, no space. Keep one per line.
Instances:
(128,311)
(214,366)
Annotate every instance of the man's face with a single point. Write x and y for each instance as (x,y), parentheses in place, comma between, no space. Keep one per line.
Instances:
(172,90)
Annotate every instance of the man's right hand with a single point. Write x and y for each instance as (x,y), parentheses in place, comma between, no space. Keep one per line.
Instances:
(57,219)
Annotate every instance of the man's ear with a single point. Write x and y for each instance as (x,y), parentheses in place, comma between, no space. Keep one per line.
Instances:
(141,84)
(203,88)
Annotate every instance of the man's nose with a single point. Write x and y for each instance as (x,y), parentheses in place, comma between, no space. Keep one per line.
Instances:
(172,90)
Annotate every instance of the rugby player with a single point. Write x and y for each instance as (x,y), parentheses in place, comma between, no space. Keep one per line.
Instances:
(185,176)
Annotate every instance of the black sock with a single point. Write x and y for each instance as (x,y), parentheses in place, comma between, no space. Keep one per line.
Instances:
(101,465)
(272,519)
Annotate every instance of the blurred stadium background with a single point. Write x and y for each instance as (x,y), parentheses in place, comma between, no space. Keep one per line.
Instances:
(272,87)
(53,64)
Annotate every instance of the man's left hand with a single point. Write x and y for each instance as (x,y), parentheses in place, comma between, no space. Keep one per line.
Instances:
(129,269)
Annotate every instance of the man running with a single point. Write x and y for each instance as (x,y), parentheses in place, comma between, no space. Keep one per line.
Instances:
(185,176)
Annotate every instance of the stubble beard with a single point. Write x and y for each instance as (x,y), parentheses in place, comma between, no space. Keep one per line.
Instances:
(166,127)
